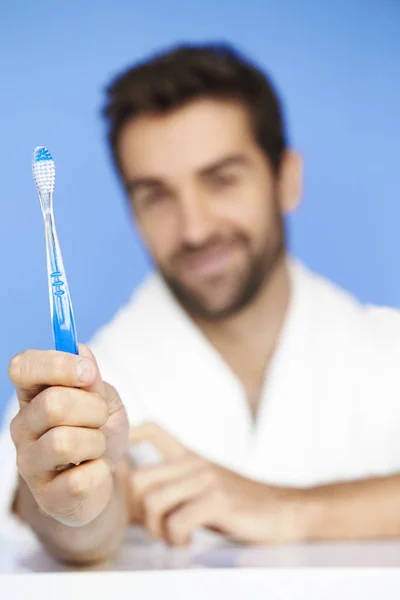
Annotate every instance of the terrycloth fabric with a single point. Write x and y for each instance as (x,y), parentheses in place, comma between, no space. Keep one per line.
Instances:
(330,406)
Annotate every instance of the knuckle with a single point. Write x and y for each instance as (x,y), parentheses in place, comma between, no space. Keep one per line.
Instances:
(51,405)
(21,463)
(60,443)
(77,485)
(27,467)
(14,367)
(26,364)
(15,429)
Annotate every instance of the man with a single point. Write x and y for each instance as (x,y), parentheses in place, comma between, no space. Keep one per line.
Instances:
(271,396)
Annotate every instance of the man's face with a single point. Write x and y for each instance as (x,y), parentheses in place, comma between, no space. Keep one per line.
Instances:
(206,203)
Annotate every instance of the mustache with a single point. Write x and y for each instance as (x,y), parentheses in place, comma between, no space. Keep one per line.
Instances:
(190,250)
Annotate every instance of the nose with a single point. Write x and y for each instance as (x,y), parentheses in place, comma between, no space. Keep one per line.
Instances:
(197,222)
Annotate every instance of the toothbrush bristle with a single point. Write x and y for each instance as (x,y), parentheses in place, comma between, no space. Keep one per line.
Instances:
(44,170)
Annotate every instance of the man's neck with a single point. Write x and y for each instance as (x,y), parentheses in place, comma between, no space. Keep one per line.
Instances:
(247,341)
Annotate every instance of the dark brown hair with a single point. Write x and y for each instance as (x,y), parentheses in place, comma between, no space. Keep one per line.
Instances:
(171,79)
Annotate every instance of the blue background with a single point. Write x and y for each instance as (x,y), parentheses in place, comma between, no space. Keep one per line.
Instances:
(337,65)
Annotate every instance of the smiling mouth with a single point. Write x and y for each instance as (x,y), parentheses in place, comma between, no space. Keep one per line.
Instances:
(209,262)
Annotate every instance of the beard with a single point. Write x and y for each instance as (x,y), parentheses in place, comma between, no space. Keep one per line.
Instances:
(259,268)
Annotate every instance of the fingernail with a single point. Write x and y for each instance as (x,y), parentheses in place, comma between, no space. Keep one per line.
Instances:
(85,371)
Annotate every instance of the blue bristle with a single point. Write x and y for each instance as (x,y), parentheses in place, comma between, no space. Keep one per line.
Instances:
(42,154)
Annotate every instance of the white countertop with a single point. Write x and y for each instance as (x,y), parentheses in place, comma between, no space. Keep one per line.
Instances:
(145,569)
(209,551)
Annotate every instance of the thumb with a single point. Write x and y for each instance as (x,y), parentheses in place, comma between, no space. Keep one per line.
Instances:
(95,385)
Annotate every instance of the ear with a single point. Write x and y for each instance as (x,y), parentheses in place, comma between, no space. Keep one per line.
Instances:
(290,181)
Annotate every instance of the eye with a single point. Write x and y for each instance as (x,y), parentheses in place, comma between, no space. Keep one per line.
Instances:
(153,198)
(223,180)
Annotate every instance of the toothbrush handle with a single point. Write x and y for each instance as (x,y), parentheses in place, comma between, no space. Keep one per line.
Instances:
(62,316)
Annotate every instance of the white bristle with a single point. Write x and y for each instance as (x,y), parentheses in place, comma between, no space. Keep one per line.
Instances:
(44,171)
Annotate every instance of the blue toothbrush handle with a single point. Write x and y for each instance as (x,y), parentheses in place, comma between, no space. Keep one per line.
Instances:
(64,331)
(62,316)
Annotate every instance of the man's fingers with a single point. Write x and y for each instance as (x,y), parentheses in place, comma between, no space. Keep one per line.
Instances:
(68,497)
(59,447)
(165,498)
(96,385)
(163,441)
(202,511)
(56,406)
(145,478)
(34,370)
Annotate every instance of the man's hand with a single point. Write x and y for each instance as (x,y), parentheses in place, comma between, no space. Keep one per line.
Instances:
(70,433)
(187,492)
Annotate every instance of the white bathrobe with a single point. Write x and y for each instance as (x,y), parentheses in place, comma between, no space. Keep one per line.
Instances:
(330,405)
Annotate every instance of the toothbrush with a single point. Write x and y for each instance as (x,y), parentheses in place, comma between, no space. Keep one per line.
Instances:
(62,317)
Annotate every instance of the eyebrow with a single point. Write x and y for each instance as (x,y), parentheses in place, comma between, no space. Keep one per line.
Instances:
(234,160)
